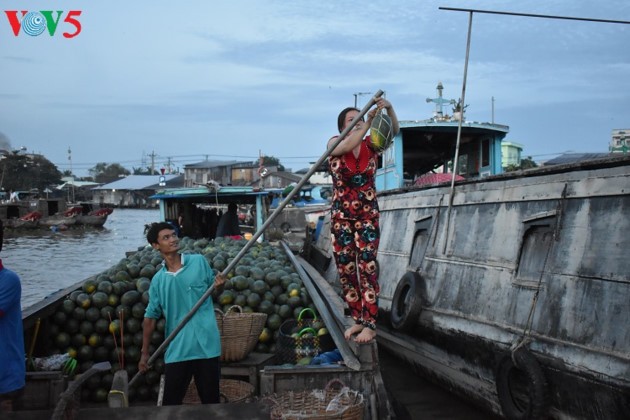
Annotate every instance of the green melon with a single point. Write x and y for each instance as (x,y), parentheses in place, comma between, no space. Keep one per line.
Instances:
(274,321)
(240,300)
(100,299)
(240,282)
(257,273)
(105,287)
(133,269)
(259,287)
(148,271)
(133,325)
(282,298)
(138,310)
(143,284)
(269,296)
(119,288)
(101,326)
(130,297)
(92,314)
(123,311)
(86,328)
(242,270)
(122,275)
(78,340)
(226,297)
(62,340)
(71,326)
(113,299)
(265,307)
(285,311)
(89,286)
(253,300)
(67,306)
(73,295)
(78,313)
(101,354)
(219,263)
(83,300)
(60,318)
(107,312)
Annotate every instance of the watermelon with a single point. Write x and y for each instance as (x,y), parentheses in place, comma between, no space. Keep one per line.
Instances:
(381,132)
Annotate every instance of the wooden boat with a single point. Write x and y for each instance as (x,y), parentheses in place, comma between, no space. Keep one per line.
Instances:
(511,289)
(360,371)
(58,221)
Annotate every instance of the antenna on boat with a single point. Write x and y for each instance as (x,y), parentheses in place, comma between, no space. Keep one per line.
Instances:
(440,101)
(463,97)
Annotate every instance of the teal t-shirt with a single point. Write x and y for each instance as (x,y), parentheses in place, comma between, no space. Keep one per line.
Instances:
(173,295)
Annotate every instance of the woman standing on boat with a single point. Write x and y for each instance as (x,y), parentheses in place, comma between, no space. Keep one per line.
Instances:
(355,218)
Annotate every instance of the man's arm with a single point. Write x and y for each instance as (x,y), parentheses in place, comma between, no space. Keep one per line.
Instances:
(148,326)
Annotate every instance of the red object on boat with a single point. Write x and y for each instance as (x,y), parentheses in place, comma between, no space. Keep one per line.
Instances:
(432,179)
(32,216)
(101,212)
(73,211)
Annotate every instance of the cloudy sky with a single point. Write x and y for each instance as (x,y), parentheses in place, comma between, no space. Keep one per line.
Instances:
(225,80)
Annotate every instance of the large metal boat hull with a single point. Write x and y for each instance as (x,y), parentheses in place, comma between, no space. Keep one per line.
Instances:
(537,259)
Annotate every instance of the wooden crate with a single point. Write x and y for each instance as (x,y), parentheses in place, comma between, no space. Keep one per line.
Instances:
(42,389)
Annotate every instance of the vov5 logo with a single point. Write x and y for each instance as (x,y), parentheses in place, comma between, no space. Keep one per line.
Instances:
(35,23)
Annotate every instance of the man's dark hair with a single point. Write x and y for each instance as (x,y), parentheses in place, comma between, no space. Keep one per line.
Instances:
(155,229)
(342,117)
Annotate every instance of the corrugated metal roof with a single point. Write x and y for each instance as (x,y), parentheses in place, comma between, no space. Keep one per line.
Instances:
(137,182)
(207,164)
(575,157)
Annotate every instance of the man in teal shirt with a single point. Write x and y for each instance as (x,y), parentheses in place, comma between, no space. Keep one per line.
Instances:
(175,289)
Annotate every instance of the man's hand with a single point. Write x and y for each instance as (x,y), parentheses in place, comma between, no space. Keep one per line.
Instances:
(219,280)
(142,364)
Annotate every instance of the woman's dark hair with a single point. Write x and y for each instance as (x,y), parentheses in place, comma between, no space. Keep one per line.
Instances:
(342,116)
(155,229)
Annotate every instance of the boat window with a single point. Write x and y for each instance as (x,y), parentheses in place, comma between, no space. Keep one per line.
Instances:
(536,245)
(420,243)
(485,152)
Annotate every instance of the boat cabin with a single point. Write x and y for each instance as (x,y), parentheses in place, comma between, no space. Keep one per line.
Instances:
(425,146)
(195,210)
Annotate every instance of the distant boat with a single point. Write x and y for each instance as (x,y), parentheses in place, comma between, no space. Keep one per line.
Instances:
(30,214)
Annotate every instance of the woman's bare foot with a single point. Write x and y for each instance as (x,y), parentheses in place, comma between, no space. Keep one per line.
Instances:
(365,336)
(356,328)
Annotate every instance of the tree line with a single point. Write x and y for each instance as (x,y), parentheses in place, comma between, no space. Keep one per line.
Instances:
(20,171)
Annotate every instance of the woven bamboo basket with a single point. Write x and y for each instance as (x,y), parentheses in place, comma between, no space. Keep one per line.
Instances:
(326,404)
(239,332)
(230,390)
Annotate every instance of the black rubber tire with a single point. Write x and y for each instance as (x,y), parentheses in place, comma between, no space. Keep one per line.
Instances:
(407,302)
(522,387)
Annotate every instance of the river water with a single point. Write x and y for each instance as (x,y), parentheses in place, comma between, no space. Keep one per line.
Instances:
(47,261)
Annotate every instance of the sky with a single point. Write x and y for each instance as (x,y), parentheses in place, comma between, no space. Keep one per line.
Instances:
(227,80)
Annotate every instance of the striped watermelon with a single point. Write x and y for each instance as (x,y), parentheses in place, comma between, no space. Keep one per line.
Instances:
(381,133)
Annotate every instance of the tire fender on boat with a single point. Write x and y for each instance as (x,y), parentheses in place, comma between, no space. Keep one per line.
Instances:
(407,302)
(521,386)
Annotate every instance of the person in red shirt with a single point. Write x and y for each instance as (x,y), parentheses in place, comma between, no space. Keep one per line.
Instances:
(355,218)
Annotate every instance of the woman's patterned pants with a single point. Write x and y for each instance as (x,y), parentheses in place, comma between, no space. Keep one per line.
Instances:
(355,245)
